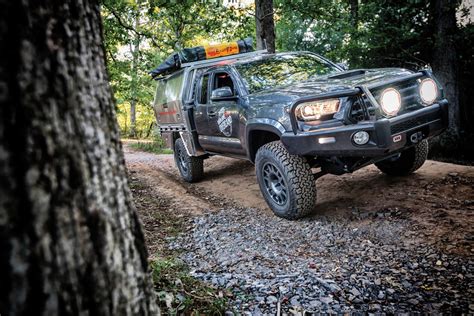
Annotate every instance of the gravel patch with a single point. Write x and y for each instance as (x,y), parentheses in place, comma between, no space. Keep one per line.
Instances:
(322,265)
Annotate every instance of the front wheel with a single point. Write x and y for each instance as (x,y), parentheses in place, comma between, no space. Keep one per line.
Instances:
(191,168)
(407,162)
(286,181)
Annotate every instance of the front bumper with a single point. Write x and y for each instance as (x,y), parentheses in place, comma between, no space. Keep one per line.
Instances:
(386,135)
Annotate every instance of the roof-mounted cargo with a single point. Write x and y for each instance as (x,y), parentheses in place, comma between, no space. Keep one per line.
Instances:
(202,54)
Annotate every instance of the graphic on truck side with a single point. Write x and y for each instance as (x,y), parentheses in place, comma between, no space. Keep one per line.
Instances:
(225,122)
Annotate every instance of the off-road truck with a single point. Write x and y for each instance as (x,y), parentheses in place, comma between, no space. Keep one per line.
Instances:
(297,116)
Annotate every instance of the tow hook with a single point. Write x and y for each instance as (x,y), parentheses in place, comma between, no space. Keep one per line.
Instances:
(416,137)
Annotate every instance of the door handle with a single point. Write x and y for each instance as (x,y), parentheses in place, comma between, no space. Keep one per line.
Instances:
(211,113)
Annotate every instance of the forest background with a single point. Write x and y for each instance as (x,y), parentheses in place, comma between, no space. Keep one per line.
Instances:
(413,34)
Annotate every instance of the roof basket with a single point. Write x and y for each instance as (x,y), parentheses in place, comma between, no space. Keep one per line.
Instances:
(200,53)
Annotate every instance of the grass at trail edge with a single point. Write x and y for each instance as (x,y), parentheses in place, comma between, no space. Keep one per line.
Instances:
(151,147)
(178,293)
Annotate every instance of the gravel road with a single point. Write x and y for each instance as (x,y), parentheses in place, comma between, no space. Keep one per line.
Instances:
(374,244)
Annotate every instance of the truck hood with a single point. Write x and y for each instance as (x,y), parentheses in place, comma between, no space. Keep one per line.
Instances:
(335,81)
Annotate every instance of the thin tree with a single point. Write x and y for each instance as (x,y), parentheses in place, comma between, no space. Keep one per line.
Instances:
(70,241)
(354,8)
(265,25)
(135,51)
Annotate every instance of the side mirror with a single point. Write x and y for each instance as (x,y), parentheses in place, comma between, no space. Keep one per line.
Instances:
(224,93)
(344,66)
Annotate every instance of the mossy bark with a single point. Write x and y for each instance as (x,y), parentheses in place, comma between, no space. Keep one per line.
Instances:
(70,241)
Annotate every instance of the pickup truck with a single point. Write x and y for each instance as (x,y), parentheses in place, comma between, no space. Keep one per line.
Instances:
(297,116)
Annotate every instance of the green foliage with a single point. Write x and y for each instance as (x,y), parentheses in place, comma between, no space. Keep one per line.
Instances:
(179,293)
(156,145)
(317,26)
(384,33)
(140,34)
(151,147)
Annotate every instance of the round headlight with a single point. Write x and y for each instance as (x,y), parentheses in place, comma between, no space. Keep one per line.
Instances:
(390,101)
(428,91)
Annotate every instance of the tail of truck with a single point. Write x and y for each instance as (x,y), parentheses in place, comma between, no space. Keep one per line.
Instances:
(172,115)
(168,107)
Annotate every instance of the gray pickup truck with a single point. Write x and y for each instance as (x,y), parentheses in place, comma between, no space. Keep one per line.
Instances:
(297,116)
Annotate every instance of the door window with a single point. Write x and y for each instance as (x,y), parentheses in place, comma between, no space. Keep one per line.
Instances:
(223,79)
(203,95)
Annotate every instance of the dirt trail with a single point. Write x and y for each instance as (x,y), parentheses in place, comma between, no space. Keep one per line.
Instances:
(439,197)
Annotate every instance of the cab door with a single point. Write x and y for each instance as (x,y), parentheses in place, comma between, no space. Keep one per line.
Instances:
(201,104)
(224,113)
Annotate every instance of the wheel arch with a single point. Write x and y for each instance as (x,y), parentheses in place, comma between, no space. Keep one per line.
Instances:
(261,132)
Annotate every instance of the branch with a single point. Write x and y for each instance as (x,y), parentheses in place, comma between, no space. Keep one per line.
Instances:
(130,28)
(111,56)
(260,18)
(267,15)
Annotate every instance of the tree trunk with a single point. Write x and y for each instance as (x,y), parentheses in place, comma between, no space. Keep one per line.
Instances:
(265,25)
(70,241)
(133,92)
(445,63)
(354,7)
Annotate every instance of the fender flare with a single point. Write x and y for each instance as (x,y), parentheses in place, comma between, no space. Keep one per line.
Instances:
(264,124)
(261,124)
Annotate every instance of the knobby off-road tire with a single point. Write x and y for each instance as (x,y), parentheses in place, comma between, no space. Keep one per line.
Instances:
(191,168)
(286,181)
(408,162)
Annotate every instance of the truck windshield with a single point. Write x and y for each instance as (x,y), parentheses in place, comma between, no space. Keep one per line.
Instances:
(282,70)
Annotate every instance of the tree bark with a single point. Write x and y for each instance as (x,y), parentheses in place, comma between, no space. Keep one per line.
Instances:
(70,241)
(445,62)
(265,25)
(354,7)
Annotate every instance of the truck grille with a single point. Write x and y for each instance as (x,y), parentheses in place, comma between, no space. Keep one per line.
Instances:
(412,123)
(409,95)
(358,111)
(363,109)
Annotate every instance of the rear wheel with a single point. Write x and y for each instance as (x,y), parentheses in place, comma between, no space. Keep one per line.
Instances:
(286,181)
(191,168)
(407,162)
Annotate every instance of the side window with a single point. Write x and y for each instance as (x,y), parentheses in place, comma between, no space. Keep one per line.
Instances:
(168,90)
(204,89)
(223,79)
(191,90)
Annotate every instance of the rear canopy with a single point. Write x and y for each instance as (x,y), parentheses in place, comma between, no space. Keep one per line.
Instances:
(188,55)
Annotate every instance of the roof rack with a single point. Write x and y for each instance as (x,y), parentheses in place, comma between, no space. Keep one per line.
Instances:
(204,55)
(231,57)
(210,62)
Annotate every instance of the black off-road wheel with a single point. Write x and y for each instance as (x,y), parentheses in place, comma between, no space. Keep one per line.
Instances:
(191,168)
(286,181)
(407,162)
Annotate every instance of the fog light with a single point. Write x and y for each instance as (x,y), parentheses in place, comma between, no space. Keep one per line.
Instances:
(361,138)
(326,140)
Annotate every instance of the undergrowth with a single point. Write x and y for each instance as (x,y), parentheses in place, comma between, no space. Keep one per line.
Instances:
(179,293)
(151,147)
